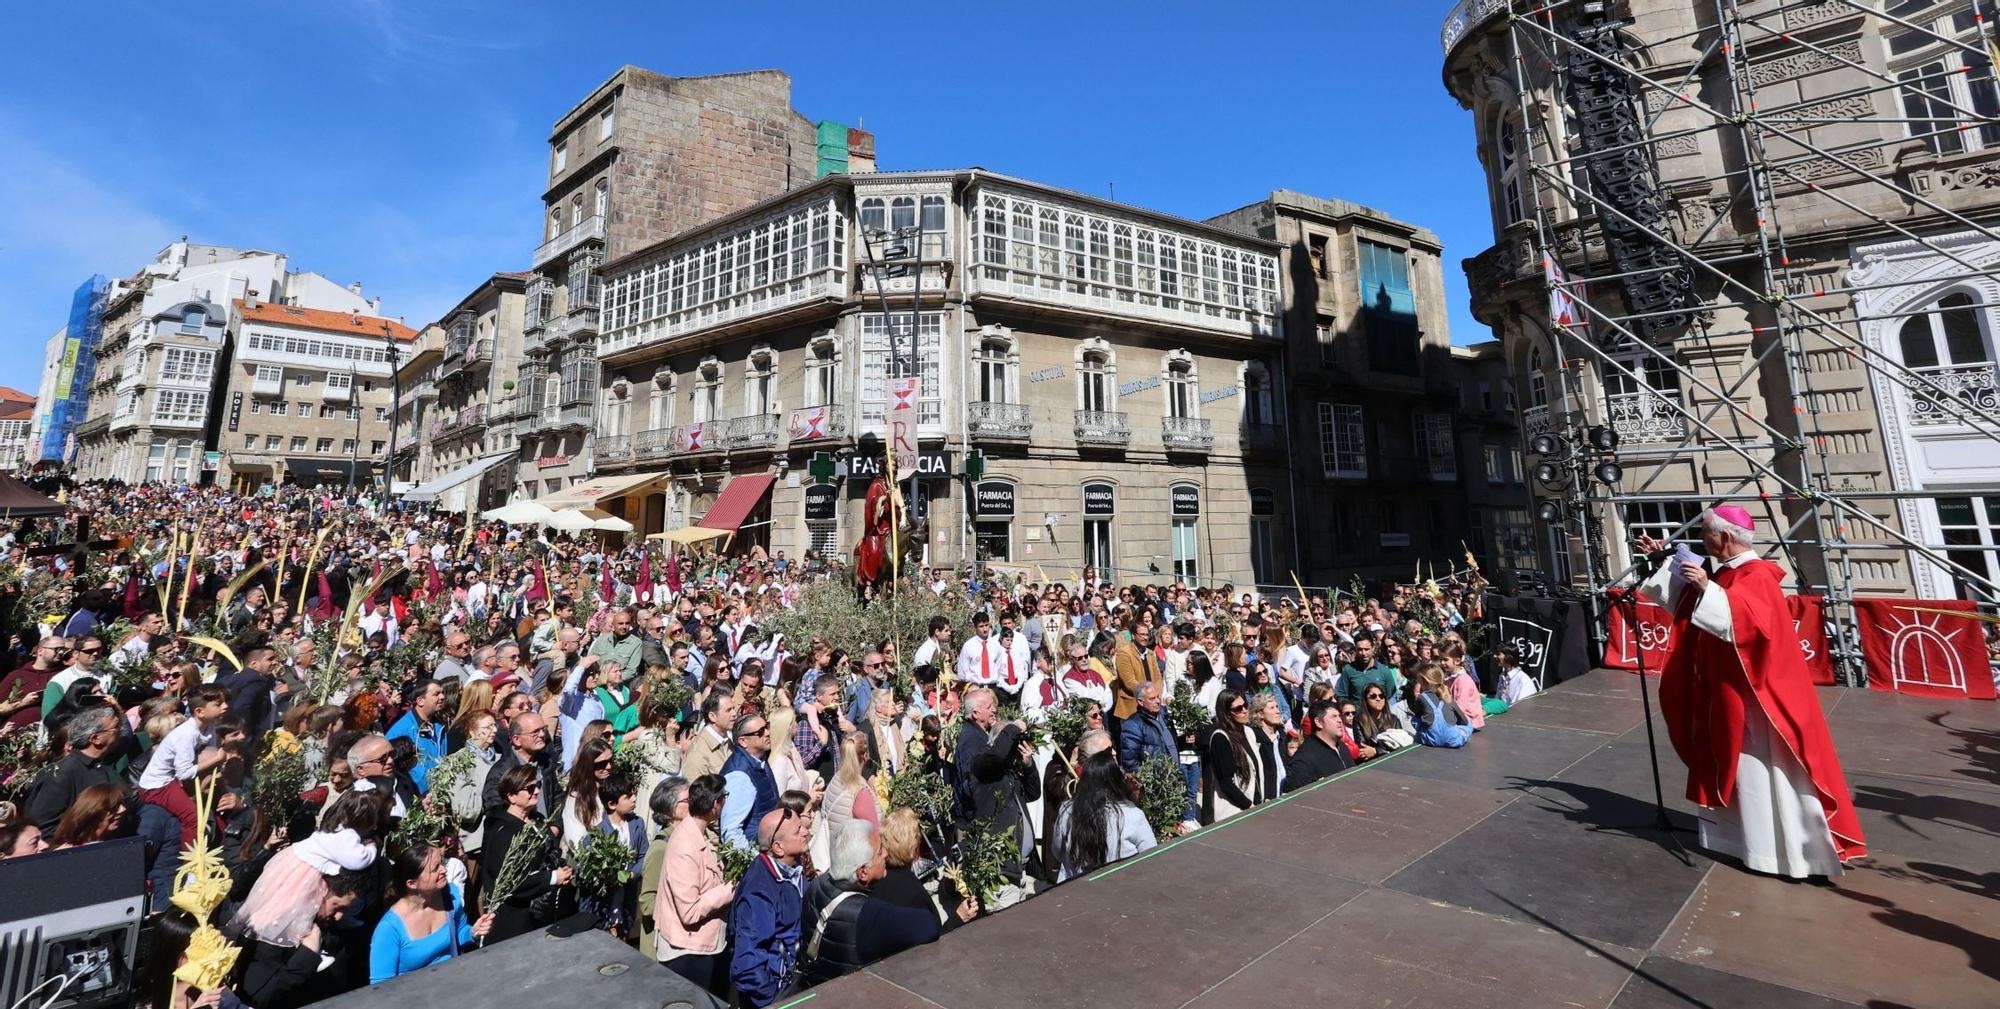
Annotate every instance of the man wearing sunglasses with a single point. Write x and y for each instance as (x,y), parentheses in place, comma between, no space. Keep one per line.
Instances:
(749,788)
(21,690)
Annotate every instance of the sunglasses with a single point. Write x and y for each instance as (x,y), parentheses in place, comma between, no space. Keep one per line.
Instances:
(601,763)
(765,731)
(1234,708)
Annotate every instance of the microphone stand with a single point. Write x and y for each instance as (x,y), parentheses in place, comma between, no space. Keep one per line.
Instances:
(1629,601)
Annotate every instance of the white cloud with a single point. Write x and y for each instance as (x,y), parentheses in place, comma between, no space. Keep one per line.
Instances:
(61,226)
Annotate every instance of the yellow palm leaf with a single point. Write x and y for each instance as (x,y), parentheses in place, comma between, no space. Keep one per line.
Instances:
(215,645)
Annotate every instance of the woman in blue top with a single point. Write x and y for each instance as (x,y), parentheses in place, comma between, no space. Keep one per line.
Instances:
(427,923)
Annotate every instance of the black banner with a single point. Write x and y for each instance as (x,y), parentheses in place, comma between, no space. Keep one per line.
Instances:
(820,501)
(235,410)
(932,464)
(993,499)
(1187,500)
(1551,635)
(1100,500)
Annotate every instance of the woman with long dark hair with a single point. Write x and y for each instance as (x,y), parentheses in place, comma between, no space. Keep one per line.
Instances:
(1101,823)
(582,808)
(427,923)
(1230,780)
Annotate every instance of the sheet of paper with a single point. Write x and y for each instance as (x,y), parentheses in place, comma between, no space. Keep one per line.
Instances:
(1677,577)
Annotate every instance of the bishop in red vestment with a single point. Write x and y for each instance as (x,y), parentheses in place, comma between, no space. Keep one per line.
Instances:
(1741,711)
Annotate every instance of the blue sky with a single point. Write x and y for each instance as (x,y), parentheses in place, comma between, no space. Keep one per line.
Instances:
(404,144)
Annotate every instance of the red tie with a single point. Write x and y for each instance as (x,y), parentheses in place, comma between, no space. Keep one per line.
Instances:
(985,663)
(1010,669)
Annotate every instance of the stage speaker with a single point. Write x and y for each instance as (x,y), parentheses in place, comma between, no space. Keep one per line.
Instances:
(537,969)
(69,925)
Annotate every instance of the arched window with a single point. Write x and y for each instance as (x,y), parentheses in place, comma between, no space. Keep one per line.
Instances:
(902,213)
(708,391)
(1509,183)
(603,196)
(576,209)
(872,219)
(1950,336)
(555,221)
(933,227)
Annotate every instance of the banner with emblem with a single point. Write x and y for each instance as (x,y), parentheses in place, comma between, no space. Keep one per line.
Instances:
(1653,636)
(1930,647)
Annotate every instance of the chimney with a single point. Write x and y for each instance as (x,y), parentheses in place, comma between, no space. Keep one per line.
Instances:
(355,287)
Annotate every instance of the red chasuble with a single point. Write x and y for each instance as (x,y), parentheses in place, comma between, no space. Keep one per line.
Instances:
(1710,686)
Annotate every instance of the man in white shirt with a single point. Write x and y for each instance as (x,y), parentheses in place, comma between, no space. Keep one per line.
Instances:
(380,620)
(981,661)
(927,653)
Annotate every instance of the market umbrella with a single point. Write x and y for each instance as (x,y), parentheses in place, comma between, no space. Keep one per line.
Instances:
(570,521)
(691,535)
(611,524)
(518,513)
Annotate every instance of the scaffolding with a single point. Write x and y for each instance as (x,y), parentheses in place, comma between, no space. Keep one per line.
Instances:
(1599,105)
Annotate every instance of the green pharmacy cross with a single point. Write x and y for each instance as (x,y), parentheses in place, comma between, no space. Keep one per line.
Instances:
(820,468)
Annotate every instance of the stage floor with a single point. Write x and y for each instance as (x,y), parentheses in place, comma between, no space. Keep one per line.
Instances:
(1520,871)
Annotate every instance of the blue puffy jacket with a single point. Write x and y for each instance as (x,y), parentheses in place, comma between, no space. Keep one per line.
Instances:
(1434,729)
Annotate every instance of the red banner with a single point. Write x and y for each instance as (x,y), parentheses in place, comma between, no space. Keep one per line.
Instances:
(1654,636)
(1649,640)
(1912,649)
(1809,619)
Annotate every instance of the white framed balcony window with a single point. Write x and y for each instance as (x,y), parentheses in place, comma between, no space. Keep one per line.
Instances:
(822,372)
(1943,75)
(760,380)
(1181,385)
(995,367)
(180,407)
(187,364)
(927,335)
(1343,440)
(1096,377)
(660,405)
(708,391)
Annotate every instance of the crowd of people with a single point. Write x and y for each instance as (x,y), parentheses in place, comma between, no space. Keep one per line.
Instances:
(407,735)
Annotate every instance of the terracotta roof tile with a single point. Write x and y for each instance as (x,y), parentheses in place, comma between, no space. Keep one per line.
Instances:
(14,396)
(324,321)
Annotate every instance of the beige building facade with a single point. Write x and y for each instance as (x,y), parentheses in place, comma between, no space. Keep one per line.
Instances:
(460,400)
(155,396)
(305,396)
(643,157)
(1841,342)
(1101,358)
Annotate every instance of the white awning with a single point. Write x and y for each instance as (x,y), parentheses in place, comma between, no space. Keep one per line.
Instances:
(589,493)
(431,490)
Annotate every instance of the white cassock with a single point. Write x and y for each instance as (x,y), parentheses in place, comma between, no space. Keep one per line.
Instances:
(1775,822)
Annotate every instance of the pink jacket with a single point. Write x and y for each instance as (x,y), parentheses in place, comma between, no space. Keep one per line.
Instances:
(1465,694)
(692,909)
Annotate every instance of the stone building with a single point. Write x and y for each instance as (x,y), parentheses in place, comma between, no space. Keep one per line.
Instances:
(1387,451)
(1118,370)
(1880,196)
(303,395)
(153,396)
(461,379)
(641,158)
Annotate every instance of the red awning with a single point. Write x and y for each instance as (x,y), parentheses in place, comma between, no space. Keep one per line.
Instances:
(737,500)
